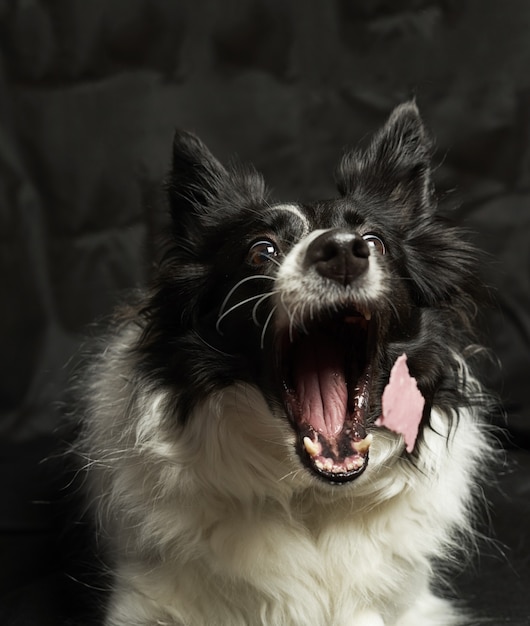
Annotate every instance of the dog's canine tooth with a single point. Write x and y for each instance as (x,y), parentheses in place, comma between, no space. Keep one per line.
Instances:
(311,447)
(362,446)
(353,319)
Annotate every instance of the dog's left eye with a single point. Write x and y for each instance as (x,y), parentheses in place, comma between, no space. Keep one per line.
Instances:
(261,252)
(375,243)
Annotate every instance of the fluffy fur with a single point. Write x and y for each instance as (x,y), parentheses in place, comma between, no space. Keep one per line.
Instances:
(213,510)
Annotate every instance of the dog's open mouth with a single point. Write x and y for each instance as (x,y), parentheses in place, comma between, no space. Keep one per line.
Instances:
(326,381)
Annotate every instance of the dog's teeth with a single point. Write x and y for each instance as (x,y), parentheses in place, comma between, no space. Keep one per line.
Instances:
(362,446)
(358,463)
(311,447)
(354,463)
(367,316)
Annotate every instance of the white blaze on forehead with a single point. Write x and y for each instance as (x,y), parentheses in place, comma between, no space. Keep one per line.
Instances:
(293,263)
(295,210)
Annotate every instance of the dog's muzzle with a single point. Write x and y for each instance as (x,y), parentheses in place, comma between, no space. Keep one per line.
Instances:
(328,287)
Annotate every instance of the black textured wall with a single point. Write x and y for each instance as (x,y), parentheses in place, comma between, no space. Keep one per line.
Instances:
(90,94)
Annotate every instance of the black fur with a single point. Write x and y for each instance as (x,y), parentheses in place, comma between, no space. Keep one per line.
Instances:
(218,213)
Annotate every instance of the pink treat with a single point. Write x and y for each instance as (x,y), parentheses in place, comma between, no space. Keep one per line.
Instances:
(402,404)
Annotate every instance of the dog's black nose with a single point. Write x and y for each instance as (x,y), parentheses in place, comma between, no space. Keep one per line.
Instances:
(338,255)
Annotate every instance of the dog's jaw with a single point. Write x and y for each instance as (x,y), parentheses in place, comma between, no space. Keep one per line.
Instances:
(326,381)
(325,361)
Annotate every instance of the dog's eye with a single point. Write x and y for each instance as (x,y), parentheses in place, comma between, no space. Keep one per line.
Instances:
(375,243)
(261,252)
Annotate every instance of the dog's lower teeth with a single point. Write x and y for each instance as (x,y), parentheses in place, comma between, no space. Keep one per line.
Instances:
(350,464)
(362,446)
(325,465)
(353,319)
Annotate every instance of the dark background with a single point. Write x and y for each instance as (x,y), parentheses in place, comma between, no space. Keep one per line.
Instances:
(90,94)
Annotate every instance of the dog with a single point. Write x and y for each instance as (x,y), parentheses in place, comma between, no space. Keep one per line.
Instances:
(237,461)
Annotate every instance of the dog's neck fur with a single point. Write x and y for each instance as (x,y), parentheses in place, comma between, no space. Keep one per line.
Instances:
(277,544)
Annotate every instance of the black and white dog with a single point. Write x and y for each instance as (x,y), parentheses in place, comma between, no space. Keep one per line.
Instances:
(235,462)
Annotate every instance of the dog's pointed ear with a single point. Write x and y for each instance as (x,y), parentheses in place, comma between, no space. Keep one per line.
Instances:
(201,190)
(397,164)
(196,176)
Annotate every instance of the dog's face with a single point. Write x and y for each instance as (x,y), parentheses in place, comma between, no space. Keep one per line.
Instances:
(311,303)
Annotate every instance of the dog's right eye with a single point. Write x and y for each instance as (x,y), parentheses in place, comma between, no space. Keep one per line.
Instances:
(261,252)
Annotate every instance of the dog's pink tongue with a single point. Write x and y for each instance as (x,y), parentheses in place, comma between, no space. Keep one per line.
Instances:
(402,404)
(321,385)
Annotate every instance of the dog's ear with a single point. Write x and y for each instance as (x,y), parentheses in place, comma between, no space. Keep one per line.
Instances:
(196,175)
(200,188)
(397,164)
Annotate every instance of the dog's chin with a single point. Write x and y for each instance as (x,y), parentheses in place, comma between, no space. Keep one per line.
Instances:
(325,372)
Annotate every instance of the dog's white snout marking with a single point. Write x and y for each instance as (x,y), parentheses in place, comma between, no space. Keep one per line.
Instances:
(302,291)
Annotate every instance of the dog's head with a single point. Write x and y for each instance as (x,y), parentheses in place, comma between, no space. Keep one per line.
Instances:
(311,303)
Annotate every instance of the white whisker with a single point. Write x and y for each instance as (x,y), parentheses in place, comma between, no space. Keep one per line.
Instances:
(238,284)
(293,474)
(293,322)
(302,316)
(392,306)
(201,338)
(272,259)
(236,306)
(255,308)
(266,324)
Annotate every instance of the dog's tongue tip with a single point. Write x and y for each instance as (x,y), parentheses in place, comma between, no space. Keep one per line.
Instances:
(402,404)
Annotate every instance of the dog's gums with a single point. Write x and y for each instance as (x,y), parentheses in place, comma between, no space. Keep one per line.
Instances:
(326,380)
